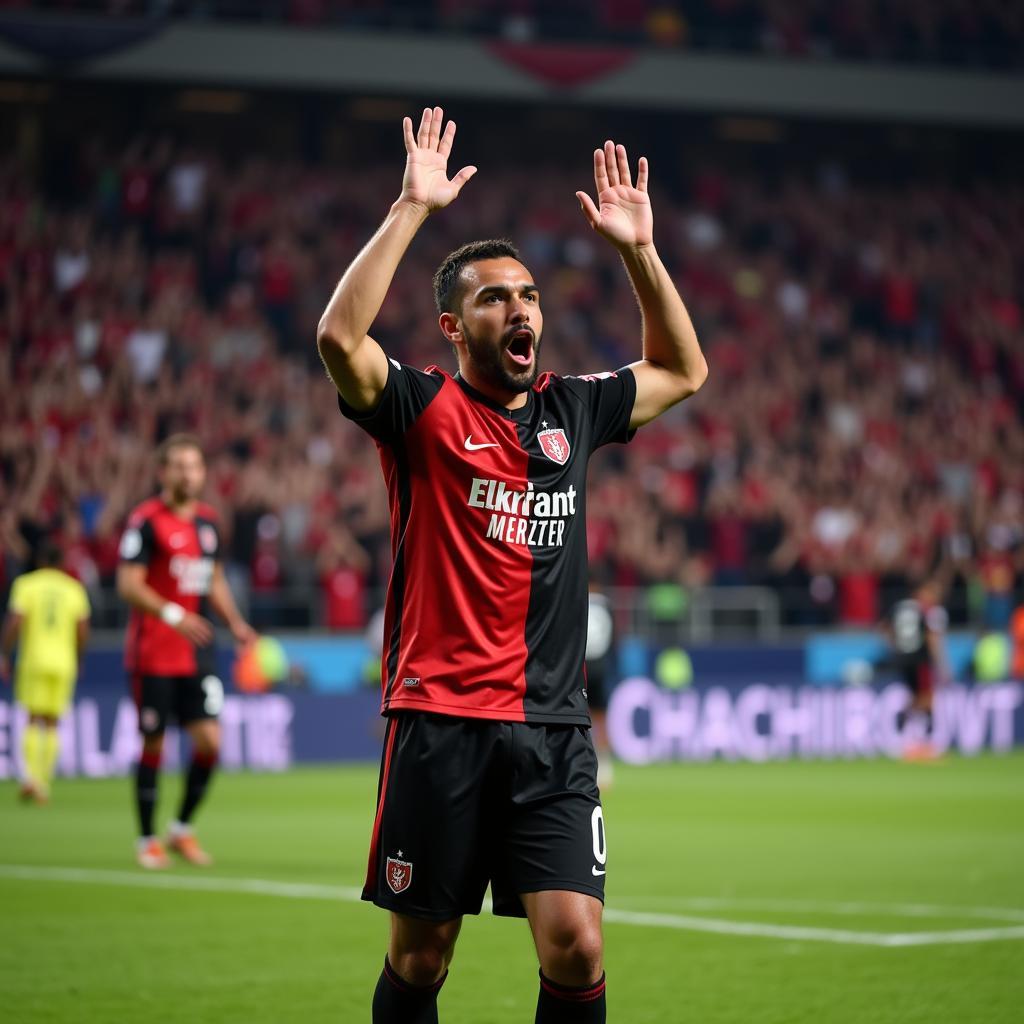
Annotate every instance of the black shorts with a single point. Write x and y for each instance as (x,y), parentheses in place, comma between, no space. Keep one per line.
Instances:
(918,676)
(182,698)
(466,802)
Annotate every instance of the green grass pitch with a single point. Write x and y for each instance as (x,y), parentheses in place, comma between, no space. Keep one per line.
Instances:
(779,893)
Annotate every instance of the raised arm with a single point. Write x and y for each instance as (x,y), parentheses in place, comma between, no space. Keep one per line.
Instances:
(355,362)
(673,366)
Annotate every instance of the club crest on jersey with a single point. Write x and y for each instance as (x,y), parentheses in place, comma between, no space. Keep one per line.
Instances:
(208,539)
(555,445)
(399,874)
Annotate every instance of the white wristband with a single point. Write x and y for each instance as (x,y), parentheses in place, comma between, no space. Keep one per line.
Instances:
(173,614)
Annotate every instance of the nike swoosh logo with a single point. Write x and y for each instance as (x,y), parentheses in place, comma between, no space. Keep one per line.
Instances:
(596,872)
(470,447)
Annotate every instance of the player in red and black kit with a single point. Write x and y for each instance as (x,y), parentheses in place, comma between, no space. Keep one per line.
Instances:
(488,773)
(171,575)
(917,628)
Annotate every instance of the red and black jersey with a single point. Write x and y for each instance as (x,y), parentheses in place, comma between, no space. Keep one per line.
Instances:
(486,613)
(911,622)
(179,555)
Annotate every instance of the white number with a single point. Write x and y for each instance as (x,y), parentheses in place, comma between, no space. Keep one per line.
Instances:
(906,625)
(597,824)
(131,544)
(214,690)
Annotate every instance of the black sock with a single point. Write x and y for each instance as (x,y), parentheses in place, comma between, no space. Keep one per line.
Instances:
(901,720)
(196,781)
(562,1004)
(395,1001)
(929,723)
(146,774)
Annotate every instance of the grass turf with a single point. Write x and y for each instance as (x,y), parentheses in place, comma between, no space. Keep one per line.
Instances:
(836,846)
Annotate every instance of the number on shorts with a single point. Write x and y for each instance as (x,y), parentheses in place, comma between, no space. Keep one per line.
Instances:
(597,824)
(213,688)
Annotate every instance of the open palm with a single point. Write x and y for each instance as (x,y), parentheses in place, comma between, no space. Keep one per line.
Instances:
(623,213)
(426,164)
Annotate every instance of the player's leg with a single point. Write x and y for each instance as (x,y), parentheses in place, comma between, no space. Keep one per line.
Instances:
(566,930)
(415,968)
(425,864)
(47,757)
(25,695)
(197,704)
(921,706)
(908,670)
(59,689)
(45,697)
(205,736)
(553,866)
(152,696)
(32,744)
(925,697)
(915,722)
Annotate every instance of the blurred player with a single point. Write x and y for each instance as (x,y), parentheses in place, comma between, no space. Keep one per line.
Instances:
(599,660)
(1017,644)
(171,575)
(916,630)
(48,621)
(488,772)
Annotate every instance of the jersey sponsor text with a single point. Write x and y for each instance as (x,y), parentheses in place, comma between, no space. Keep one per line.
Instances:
(529,518)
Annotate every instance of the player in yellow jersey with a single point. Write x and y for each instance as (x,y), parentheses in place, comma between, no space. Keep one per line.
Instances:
(48,621)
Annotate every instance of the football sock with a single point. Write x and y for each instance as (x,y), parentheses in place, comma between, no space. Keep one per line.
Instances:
(395,1001)
(196,781)
(31,751)
(145,790)
(562,1004)
(48,755)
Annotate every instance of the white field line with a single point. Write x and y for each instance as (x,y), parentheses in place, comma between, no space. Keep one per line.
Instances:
(305,891)
(798,933)
(846,907)
(198,883)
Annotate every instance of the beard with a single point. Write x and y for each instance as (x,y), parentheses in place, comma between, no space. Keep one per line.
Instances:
(182,493)
(489,362)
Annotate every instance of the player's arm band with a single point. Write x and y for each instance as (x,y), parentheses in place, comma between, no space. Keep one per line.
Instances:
(173,614)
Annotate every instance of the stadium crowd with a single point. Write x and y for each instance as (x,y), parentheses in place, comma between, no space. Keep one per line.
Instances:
(981,34)
(863,424)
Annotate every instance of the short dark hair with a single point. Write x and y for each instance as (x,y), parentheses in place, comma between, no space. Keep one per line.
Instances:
(51,554)
(446,279)
(175,441)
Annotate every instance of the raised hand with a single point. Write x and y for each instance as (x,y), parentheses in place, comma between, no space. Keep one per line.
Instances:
(426,165)
(623,213)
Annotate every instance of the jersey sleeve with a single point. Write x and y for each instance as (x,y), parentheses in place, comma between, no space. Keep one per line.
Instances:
(82,602)
(609,399)
(137,542)
(17,603)
(406,394)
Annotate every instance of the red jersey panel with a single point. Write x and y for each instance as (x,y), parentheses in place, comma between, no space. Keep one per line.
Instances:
(179,555)
(486,614)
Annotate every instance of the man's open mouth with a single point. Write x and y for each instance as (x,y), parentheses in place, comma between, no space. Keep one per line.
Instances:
(520,347)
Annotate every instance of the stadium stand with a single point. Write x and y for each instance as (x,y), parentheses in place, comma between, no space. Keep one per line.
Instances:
(985,34)
(863,424)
